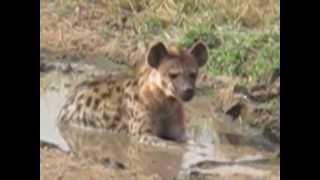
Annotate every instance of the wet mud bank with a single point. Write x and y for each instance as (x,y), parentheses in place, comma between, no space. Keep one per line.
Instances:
(234,132)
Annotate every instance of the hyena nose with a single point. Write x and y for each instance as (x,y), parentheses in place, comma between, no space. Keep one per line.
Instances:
(187,94)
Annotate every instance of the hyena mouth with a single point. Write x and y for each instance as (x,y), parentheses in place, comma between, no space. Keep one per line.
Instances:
(169,138)
(187,96)
(173,134)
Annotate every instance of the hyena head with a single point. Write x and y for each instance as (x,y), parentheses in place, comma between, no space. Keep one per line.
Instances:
(175,69)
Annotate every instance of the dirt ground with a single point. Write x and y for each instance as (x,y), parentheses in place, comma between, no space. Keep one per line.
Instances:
(58,165)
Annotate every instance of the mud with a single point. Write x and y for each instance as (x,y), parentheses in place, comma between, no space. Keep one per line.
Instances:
(226,126)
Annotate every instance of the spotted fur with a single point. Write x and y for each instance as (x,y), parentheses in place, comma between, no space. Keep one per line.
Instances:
(148,103)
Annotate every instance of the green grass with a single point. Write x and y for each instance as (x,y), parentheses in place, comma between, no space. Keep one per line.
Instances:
(243,35)
(252,54)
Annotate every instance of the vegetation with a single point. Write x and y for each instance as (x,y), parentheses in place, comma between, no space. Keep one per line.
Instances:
(243,35)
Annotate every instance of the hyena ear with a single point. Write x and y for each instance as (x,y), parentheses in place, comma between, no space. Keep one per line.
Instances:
(156,53)
(200,51)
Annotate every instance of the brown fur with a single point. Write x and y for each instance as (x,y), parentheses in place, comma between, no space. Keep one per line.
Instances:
(148,103)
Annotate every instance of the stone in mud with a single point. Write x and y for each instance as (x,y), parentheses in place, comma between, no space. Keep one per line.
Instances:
(45,67)
(261,92)
(258,106)
(44,145)
(268,120)
(48,145)
(107,162)
(235,110)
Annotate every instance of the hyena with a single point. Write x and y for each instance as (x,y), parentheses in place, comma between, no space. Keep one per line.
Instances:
(148,104)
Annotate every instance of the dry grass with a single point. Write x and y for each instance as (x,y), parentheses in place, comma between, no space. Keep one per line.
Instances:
(85,27)
(118,29)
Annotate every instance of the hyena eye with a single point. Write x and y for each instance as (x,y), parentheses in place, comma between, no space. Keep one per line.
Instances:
(193,75)
(173,75)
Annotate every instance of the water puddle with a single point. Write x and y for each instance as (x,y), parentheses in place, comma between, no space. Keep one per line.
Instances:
(218,150)
(49,109)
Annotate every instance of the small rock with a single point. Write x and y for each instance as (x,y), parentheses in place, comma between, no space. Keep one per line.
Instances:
(235,110)
(48,145)
(67,69)
(44,67)
(107,162)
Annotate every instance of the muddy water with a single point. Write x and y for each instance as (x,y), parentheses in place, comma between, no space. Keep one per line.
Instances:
(218,148)
(48,113)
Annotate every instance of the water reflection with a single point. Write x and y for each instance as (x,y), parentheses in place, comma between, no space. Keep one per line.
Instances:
(216,147)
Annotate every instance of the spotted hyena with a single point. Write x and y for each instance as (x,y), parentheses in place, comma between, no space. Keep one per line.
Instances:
(148,104)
